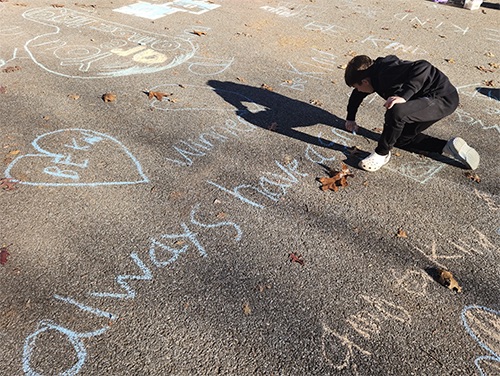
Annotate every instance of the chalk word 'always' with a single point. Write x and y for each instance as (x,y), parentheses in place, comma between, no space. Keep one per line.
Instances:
(116,50)
(154,11)
(389,44)
(366,323)
(76,157)
(483,325)
(161,254)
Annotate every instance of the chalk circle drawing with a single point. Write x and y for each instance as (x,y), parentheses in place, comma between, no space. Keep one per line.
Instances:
(154,11)
(100,48)
(76,157)
(483,325)
(201,98)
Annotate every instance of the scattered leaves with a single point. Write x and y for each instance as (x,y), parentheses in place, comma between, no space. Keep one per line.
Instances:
(473,176)
(494,65)
(158,95)
(294,257)
(199,33)
(401,233)
(316,102)
(482,68)
(446,278)
(74,96)
(4,253)
(8,184)
(109,97)
(266,87)
(246,308)
(337,179)
(11,69)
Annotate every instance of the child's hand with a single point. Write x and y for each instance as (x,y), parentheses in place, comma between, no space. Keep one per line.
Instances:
(351,126)
(391,101)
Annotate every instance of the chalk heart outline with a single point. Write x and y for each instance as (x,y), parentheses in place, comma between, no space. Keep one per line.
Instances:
(57,157)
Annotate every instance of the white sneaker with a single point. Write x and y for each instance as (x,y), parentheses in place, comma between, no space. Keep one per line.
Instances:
(461,151)
(374,161)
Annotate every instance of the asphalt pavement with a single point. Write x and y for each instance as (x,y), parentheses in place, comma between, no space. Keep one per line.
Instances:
(161,209)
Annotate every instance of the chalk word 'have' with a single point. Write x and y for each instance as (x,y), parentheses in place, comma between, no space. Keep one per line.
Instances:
(161,254)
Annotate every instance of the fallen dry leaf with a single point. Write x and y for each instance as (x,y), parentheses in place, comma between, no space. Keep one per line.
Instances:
(343,66)
(450,61)
(494,65)
(109,97)
(447,279)
(316,102)
(489,54)
(266,87)
(4,252)
(74,96)
(199,33)
(273,127)
(241,79)
(158,95)
(11,69)
(484,69)
(401,233)
(378,129)
(246,308)
(294,257)
(489,83)
(57,5)
(8,184)
(263,288)
(337,179)
(473,176)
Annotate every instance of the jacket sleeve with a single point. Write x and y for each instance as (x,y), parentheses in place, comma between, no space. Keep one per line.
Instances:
(420,73)
(354,102)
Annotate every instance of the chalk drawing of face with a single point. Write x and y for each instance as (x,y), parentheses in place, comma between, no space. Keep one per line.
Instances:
(83,46)
(76,157)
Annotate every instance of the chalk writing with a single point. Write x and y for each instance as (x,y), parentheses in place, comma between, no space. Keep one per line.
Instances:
(324,28)
(366,323)
(415,20)
(479,244)
(155,11)
(483,325)
(418,169)
(389,44)
(413,282)
(72,157)
(158,248)
(190,150)
(295,10)
(493,34)
(115,50)
(465,117)
(488,198)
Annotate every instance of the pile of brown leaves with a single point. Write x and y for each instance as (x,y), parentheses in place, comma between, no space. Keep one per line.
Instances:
(337,179)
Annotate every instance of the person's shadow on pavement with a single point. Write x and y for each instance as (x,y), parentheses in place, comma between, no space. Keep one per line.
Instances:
(278,113)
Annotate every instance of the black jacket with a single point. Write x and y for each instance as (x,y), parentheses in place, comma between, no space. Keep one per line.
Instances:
(391,76)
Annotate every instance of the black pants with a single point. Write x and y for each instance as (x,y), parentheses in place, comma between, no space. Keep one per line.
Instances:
(405,122)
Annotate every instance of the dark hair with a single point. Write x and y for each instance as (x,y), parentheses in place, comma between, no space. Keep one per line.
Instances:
(357,69)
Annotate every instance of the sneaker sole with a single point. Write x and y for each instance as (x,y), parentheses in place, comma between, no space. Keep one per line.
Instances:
(465,153)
